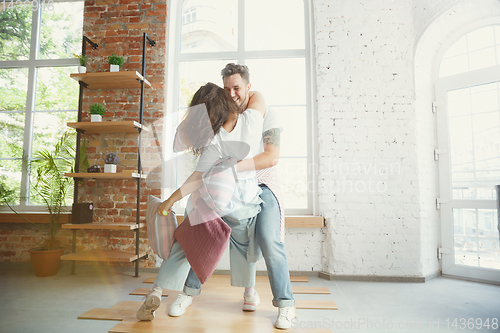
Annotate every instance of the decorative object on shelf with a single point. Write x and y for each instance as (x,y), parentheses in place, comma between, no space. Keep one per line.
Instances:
(83,62)
(82,213)
(96,112)
(115,62)
(111,161)
(94,169)
(53,189)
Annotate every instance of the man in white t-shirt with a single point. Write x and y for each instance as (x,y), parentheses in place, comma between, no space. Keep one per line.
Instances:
(269,228)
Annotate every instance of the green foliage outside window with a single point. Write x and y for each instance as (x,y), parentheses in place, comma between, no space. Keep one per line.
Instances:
(56,94)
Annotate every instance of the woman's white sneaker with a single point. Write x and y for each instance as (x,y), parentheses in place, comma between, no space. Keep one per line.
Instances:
(285,316)
(178,307)
(151,303)
(250,302)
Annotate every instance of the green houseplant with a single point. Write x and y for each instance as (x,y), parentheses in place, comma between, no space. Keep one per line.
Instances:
(115,62)
(111,160)
(83,62)
(96,112)
(51,188)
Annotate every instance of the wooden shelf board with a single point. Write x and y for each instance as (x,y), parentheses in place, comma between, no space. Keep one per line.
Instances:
(311,290)
(145,291)
(111,80)
(299,279)
(125,126)
(106,175)
(103,226)
(316,304)
(100,255)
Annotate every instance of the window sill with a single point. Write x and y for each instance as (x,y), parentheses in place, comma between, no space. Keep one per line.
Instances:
(291,221)
(35,217)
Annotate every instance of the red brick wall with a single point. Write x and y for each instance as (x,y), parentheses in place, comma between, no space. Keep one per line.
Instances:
(118,27)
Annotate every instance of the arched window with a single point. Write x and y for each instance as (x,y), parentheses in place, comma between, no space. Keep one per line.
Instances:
(276,48)
(469,140)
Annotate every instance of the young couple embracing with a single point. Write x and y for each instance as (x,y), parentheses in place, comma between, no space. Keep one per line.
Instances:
(235,117)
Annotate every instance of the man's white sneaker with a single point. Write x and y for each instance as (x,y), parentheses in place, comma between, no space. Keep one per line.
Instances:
(151,303)
(251,302)
(285,316)
(180,304)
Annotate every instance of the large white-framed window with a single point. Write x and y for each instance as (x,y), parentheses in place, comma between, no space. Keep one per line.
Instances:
(468,88)
(277,49)
(37,42)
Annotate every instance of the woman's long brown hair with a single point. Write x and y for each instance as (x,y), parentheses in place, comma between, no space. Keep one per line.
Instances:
(195,131)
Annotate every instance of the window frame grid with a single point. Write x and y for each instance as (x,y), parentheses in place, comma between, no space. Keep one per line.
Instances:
(173,75)
(33,63)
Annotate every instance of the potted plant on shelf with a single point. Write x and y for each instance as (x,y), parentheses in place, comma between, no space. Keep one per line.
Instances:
(115,62)
(51,188)
(96,112)
(83,61)
(111,161)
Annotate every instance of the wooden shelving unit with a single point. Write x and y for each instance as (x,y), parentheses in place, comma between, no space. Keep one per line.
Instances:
(129,126)
(110,80)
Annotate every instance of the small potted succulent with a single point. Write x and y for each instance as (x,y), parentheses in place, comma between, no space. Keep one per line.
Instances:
(115,62)
(96,112)
(111,160)
(83,61)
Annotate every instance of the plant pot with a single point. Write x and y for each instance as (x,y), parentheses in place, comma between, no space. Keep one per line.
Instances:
(46,263)
(82,69)
(95,118)
(110,168)
(114,68)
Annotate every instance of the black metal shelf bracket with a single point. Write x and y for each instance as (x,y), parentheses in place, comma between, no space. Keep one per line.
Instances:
(139,165)
(85,40)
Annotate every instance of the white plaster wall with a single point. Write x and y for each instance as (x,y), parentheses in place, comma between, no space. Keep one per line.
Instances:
(365,94)
(376,128)
(426,11)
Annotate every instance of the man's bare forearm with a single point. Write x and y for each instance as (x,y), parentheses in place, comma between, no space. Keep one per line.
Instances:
(266,159)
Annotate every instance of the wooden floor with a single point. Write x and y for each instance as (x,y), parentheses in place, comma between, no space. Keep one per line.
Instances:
(217,309)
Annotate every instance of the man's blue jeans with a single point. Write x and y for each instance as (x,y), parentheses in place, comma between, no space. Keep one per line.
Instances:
(176,274)
(267,233)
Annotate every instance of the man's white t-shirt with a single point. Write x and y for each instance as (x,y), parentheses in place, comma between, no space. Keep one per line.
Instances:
(243,142)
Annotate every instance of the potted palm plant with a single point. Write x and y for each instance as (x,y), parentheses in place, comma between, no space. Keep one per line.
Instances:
(115,62)
(51,188)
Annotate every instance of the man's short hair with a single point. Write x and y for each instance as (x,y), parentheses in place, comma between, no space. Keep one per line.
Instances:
(233,68)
